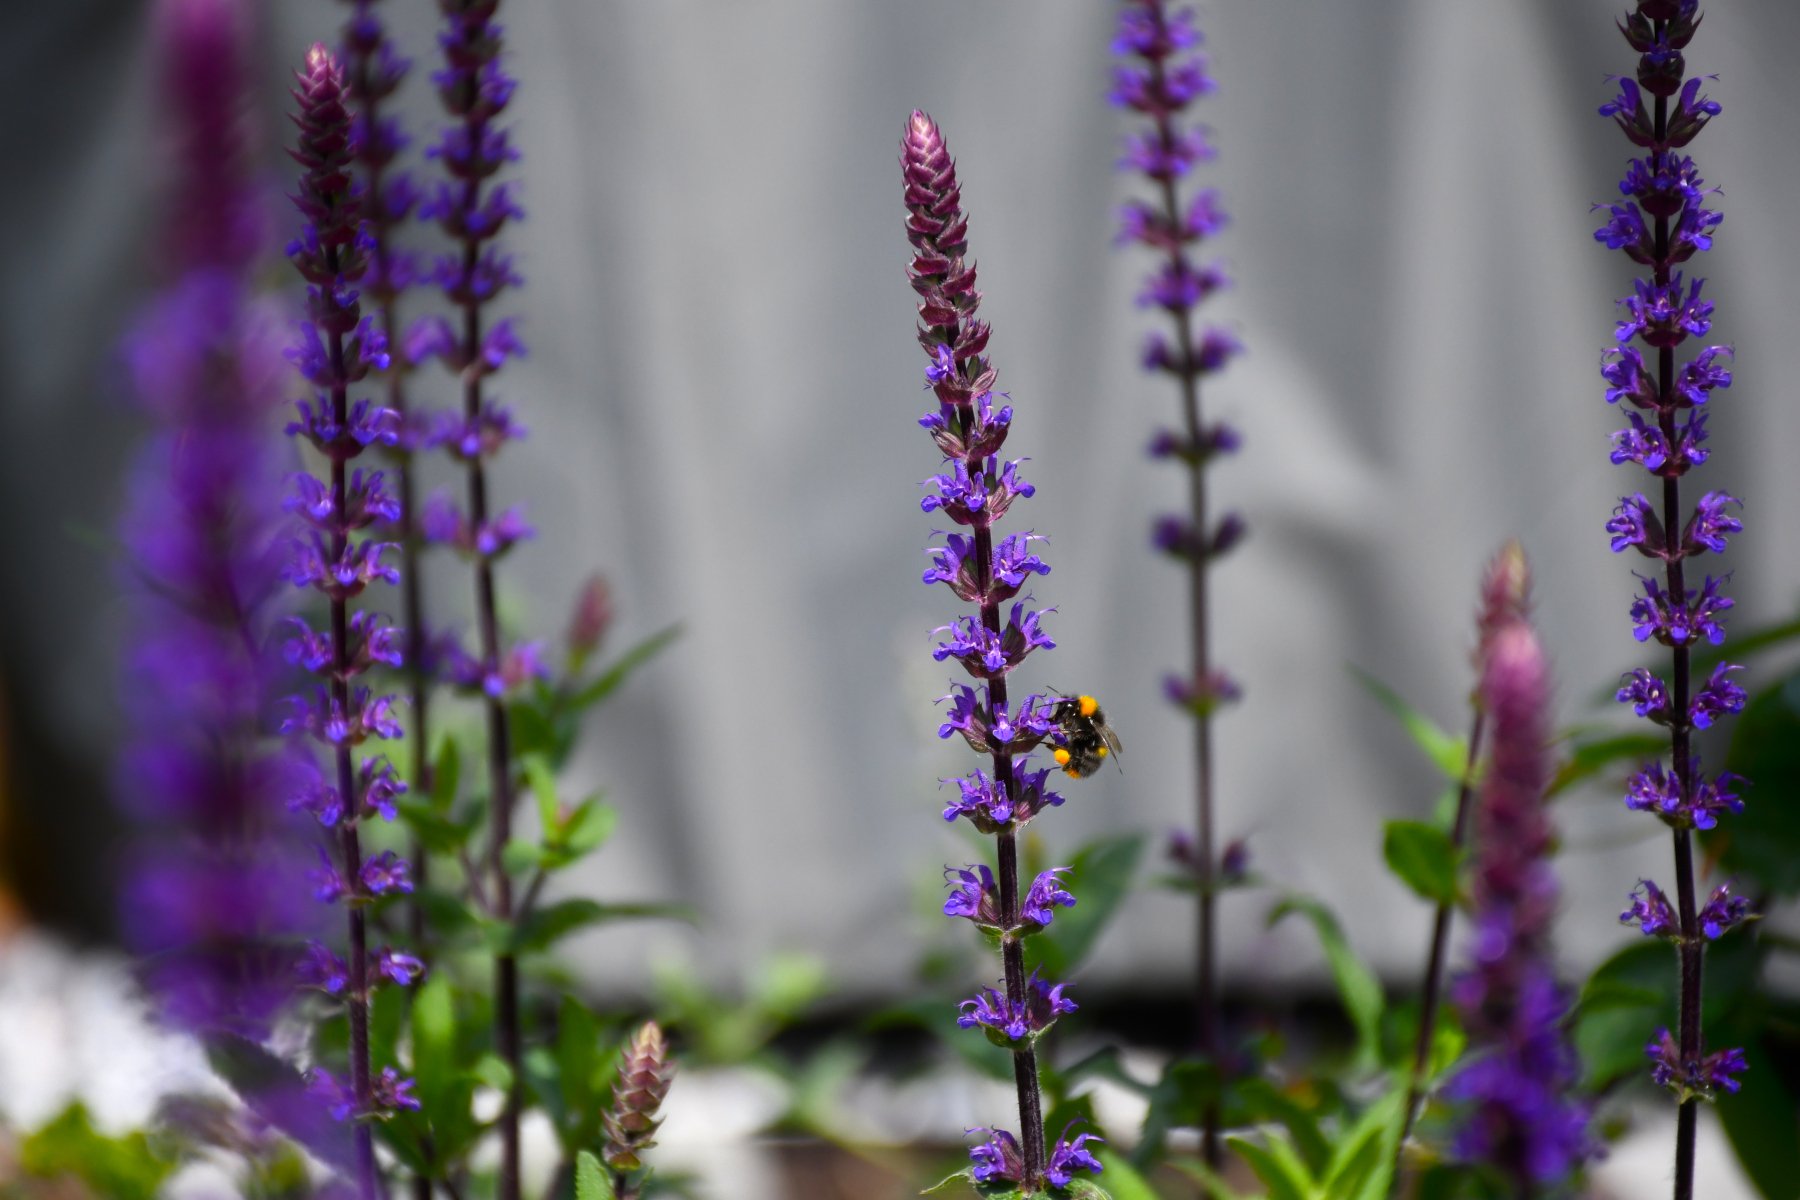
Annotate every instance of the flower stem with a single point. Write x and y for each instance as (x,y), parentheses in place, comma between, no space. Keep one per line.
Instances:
(1440,941)
(1690,948)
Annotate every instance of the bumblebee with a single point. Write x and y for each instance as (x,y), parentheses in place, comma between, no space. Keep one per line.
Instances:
(1082,738)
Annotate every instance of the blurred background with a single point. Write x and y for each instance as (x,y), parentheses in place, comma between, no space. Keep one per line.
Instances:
(722,390)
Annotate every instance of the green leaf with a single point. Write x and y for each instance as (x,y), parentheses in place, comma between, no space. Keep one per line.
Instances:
(434,1044)
(615,676)
(1621,1005)
(1086,1189)
(446,775)
(542,782)
(122,1168)
(1263,1100)
(1100,874)
(492,1070)
(951,1183)
(1764,840)
(1357,985)
(1589,754)
(439,833)
(578,1068)
(553,922)
(521,855)
(1763,1123)
(587,828)
(1363,1166)
(1422,857)
(1213,1183)
(533,732)
(591,1180)
(1278,1166)
(1448,752)
(1123,1180)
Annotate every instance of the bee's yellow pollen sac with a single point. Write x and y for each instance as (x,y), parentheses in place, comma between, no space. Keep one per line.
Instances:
(1061,757)
(1099,751)
(1089,706)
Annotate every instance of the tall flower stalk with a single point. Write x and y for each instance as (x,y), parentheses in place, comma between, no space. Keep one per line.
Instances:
(1505,599)
(213,892)
(472,210)
(338,347)
(1161,77)
(373,72)
(1518,1115)
(975,490)
(1660,224)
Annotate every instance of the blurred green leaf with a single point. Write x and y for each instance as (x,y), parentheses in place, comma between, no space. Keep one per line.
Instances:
(1623,1002)
(1099,876)
(446,775)
(615,676)
(521,855)
(1123,1179)
(541,780)
(1277,1165)
(121,1168)
(587,828)
(1763,1123)
(533,732)
(1589,753)
(1263,1101)
(438,832)
(950,1183)
(591,1180)
(1763,842)
(1083,1188)
(1357,985)
(553,922)
(1422,857)
(434,1045)
(1449,753)
(491,1069)
(1362,1165)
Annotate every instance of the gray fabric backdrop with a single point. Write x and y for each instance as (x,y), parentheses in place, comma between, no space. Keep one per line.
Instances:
(723,386)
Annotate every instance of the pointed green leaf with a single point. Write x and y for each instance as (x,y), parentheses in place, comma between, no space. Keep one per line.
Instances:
(520,855)
(553,922)
(591,1180)
(1263,1100)
(1083,1188)
(1207,1178)
(1589,754)
(492,1070)
(1422,857)
(1449,753)
(1283,1174)
(951,1183)
(1100,876)
(588,827)
(1363,1166)
(446,775)
(542,782)
(615,676)
(1357,985)
(1122,1179)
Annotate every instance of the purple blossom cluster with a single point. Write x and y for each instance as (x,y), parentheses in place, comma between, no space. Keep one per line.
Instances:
(214,894)
(339,556)
(1660,223)
(1517,1111)
(975,490)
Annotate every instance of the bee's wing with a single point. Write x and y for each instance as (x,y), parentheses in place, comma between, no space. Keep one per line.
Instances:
(1111,739)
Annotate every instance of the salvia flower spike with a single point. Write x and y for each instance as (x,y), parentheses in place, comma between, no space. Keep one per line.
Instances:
(646,1069)
(1505,600)
(974,490)
(1160,76)
(1661,221)
(1517,1114)
(373,73)
(215,893)
(339,557)
(472,210)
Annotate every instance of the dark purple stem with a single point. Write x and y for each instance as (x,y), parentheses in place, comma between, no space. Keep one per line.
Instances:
(1206,984)
(357,1001)
(1690,946)
(506,968)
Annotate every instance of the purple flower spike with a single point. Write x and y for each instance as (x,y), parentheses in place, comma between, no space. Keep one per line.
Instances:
(1517,1113)
(340,558)
(1160,77)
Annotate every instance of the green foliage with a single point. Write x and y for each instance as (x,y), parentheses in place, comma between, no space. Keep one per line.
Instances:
(1623,1002)
(1359,1165)
(1357,985)
(1588,752)
(1447,752)
(1763,842)
(1100,874)
(1422,857)
(591,1180)
(725,1030)
(1762,1122)
(130,1167)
